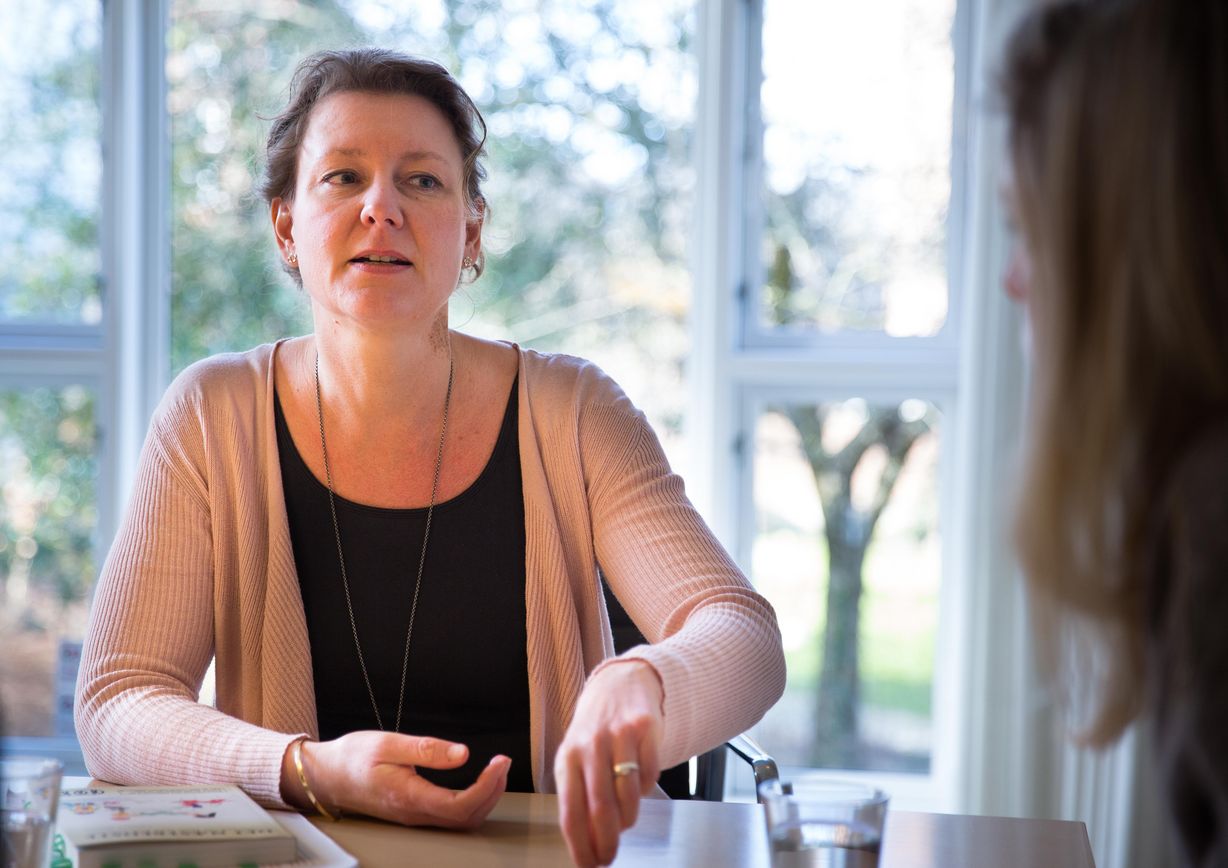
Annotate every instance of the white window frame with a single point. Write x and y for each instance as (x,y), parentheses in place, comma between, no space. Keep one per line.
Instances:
(122,359)
(738,366)
(862,348)
(997,749)
(136,239)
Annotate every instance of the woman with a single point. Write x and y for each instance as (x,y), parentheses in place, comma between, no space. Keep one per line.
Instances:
(388,527)
(1119,145)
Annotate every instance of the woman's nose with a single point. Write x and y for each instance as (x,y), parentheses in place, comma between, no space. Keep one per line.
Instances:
(1018,278)
(382,206)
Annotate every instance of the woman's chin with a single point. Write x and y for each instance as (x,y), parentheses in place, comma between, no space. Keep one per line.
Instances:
(382,308)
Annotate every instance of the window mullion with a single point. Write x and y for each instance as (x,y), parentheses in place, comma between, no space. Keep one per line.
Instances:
(919,369)
(135,237)
(750,294)
(716,256)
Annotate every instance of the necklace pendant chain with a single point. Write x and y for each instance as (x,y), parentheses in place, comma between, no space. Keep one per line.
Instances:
(426,535)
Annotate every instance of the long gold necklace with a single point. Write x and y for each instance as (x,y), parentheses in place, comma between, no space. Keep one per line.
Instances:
(426,535)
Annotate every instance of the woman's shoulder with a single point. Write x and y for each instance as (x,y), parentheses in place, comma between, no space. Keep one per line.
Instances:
(1188,647)
(1200,475)
(566,388)
(1194,511)
(221,377)
(559,374)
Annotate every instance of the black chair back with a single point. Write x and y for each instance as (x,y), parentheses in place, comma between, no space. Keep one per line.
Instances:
(676,780)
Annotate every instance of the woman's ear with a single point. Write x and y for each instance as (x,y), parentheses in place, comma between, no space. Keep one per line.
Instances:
(473,230)
(283,223)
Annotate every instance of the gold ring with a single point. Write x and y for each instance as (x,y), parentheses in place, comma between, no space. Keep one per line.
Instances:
(630,767)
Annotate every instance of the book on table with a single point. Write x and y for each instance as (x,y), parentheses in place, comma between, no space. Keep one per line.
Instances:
(202,826)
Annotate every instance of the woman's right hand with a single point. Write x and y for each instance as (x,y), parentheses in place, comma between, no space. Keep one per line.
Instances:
(375,774)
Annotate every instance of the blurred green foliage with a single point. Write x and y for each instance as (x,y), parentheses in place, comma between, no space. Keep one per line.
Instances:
(48,473)
(588,163)
(50,134)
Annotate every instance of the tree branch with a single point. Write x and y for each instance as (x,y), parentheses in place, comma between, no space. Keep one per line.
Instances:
(898,437)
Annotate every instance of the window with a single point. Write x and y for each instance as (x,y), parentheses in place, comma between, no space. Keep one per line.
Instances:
(49,467)
(50,129)
(846,543)
(51,337)
(831,332)
(854,179)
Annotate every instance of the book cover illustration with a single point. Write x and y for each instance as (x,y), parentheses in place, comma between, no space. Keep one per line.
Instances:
(120,812)
(90,816)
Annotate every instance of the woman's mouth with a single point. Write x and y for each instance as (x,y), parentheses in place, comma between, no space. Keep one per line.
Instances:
(381,260)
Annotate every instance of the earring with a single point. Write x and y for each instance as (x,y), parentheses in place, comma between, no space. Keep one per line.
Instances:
(467,263)
(293,257)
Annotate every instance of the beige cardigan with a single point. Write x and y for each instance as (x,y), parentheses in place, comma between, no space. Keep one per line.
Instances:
(202,566)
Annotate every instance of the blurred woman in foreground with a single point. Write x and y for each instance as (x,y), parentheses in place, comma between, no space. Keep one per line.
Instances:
(1119,149)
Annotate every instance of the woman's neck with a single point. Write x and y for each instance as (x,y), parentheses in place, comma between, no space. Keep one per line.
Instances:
(395,378)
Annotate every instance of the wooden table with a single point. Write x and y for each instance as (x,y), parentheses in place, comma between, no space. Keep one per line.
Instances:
(523,831)
(914,840)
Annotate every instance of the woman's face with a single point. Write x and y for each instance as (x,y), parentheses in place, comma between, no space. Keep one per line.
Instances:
(378,220)
(1017,279)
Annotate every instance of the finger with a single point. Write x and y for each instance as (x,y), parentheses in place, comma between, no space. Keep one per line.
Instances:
(626,786)
(489,787)
(459,809)
(470,807)
(650,763)
(435,753)
(573,812)
(482,811)
(603,810)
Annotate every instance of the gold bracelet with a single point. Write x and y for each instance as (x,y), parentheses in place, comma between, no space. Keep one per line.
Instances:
(302,779)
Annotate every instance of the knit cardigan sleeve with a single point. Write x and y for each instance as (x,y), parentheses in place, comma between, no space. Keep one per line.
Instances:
(711,638)
(151,633)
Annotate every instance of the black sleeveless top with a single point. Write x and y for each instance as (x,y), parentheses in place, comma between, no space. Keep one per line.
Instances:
(468,661)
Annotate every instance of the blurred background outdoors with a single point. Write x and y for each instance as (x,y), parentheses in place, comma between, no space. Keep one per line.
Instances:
(590,106)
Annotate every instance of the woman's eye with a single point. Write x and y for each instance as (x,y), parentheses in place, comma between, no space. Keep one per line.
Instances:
(345,176)
(425,182)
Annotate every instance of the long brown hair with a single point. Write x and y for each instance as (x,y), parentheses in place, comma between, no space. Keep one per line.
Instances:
(1119,144)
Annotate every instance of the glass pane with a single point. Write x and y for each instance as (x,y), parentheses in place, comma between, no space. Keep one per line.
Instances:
(226,65)
(50,134)
(856,103)
(588,105)
(847,549)
(48,478)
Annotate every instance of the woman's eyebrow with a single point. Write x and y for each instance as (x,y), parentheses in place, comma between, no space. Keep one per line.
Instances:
(408,155)
(424,155)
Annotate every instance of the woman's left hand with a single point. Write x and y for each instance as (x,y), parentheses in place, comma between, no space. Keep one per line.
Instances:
(609,759)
